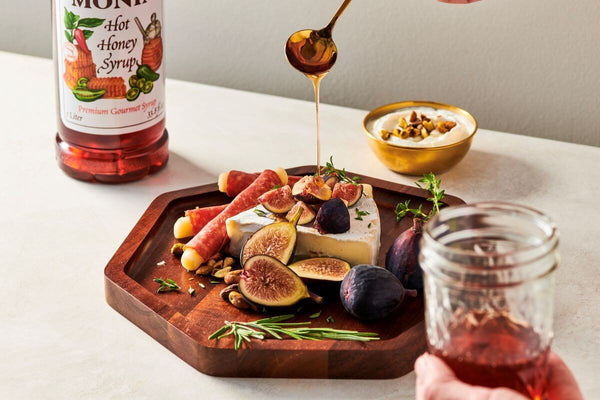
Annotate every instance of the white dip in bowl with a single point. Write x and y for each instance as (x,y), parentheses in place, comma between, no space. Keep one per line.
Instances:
(388,122)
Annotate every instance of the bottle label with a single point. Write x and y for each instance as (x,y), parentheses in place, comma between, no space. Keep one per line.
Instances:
(110,65)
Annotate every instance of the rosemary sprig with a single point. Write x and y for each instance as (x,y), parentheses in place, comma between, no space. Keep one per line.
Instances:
(330,169)
(276,328)
(168,285)
(432,185)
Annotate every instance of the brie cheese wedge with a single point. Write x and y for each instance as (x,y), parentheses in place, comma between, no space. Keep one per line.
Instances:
(359,245)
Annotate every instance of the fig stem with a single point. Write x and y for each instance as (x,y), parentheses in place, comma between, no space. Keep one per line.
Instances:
(315,297)
(417,225)
(294,220)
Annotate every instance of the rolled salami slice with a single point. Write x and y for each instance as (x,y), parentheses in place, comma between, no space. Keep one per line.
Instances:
(293,179)
(214,234)
(233,182)
(199,217)
(195,220)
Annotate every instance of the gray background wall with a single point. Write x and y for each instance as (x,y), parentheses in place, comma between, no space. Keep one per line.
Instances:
(525,66)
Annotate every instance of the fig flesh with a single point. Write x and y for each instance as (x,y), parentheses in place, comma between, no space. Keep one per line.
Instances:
(348,191)
(277,240)
(402,259)
(333,217)
(278,201)
(370,292)
(308,214)
(321,268)
(311,190)
(268,282)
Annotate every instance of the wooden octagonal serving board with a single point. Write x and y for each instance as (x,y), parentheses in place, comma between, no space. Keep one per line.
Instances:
(183,323)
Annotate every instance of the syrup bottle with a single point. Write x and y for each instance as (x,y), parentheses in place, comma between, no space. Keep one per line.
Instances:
(110,88)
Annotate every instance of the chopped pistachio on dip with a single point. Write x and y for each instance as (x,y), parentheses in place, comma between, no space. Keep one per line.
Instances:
(422,127)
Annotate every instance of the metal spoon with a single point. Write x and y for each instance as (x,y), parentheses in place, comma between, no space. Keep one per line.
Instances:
(313,52)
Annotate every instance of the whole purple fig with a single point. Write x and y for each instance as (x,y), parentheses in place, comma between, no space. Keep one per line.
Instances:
(402,259)
(370,292)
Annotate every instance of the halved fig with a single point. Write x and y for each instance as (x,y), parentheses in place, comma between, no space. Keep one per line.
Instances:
(278,201)
(311,190)
(331,180)
(348,191)
(321,268)
(333,217)
(267,282)
(277,240)
(308,214)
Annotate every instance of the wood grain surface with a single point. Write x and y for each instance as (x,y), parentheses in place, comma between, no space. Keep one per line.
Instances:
(182,323)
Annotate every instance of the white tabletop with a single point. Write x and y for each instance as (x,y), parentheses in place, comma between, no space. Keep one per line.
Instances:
(58,337)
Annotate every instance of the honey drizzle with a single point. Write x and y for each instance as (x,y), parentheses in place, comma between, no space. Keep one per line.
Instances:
(316,65)
(316,81)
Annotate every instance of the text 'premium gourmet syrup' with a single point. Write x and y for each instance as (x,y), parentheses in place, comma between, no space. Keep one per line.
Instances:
(110,74)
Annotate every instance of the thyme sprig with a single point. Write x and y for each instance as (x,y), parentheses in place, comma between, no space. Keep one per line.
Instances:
(404,208)
(432,185)
(276,328)
(168,285)
(330,169)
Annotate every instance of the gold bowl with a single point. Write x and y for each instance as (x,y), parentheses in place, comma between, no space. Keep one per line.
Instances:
(417,160)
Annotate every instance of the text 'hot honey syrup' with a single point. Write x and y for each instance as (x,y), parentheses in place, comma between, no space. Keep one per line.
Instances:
(110,71)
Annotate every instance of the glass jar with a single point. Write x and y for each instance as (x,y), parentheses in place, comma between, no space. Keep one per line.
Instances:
(489,292)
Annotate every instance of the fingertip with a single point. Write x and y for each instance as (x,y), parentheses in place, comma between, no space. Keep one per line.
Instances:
(433,368)
(421,363)
(557,367)
(561,381)
(441,366)
(554,359)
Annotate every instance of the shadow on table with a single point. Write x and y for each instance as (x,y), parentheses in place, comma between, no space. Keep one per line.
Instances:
(180,171)
(349,389)
(492,176)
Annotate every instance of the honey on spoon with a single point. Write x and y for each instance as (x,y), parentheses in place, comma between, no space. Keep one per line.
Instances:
(313,52)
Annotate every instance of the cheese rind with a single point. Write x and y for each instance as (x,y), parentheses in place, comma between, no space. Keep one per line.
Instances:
(359,245)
